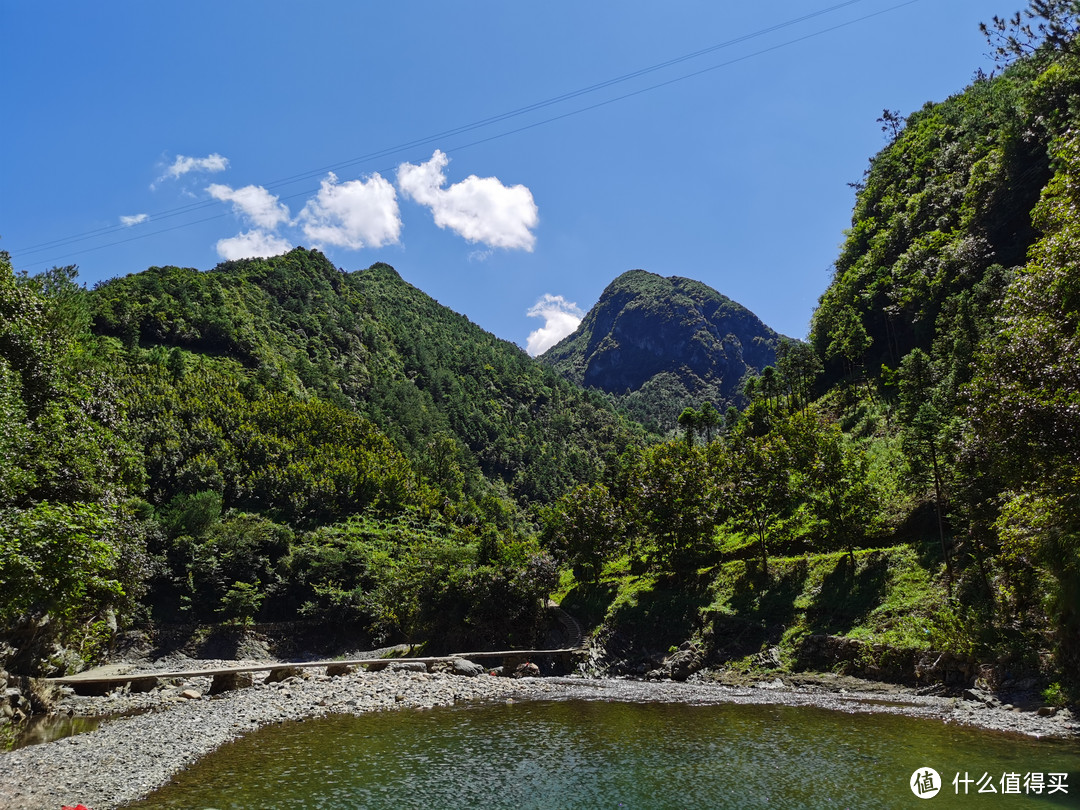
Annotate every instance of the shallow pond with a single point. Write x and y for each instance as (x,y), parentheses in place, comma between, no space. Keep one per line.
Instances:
(592,754)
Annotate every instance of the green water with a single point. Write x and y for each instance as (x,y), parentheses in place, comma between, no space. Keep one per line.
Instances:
(44,729)
(571,754)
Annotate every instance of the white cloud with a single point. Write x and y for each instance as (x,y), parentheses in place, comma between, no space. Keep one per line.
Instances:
(184,164)
(254,203)
(481,209)
(561,318)
(252,244)
(354,214)
(136,219)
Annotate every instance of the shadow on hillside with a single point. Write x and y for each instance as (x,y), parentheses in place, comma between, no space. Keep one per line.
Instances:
(769,599)
(665,615)
(588,603)
(763,606)
(845,598)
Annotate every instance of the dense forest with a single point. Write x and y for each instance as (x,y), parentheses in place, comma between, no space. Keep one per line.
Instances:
(278,439)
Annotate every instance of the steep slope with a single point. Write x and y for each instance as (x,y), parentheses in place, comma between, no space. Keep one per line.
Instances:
(943,214)
(662,344)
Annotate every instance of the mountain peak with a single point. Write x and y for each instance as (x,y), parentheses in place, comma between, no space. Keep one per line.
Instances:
(660,344)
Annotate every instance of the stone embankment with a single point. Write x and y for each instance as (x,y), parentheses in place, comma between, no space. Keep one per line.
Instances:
(128,757)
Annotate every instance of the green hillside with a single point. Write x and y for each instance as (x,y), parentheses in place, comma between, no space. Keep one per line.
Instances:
(279,439)
(275,439)
(660,345)
(465,407)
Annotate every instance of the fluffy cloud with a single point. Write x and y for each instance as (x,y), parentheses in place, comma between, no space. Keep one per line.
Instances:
(481,209)
(354,214)
(184,164)
(252,244)
(254,203)
(561,318)
(135,219)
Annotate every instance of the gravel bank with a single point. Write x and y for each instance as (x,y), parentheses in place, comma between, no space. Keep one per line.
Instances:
(129,757)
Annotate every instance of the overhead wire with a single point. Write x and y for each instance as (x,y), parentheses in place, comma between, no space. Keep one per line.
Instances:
(483,122)
(386,152)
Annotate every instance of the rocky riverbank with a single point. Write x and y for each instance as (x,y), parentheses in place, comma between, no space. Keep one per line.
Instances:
(970,707)
(128,757)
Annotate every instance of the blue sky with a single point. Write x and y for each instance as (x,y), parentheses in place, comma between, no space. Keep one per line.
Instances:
(140,134)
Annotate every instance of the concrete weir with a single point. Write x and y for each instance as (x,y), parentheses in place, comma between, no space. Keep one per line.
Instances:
(102,680)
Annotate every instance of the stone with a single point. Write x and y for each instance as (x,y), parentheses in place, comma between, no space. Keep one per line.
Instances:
(768,659)
(526,670)
(191,694)
(684,663)
(282,674)
(337,670)
(469,669)
(229,681)
(140,685)
(408,666)
(979,696)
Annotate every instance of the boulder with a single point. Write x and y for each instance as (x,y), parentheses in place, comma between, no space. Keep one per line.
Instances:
(228,681)
(408,666)
(469,669)
(768,659)
(282,674)
(526,670)
(685,662)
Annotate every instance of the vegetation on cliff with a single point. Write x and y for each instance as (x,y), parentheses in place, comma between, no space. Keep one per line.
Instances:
(660,345)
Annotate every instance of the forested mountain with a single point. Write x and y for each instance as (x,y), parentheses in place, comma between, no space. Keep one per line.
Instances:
(464,406)
(272,439)
(277,438)
(660,345)
(947,421)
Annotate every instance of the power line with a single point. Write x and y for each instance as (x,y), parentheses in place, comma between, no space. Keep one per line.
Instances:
(388,151)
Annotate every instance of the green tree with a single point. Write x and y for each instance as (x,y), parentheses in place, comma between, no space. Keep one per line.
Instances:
(709,421)
(1023,422)
(586,528)
(672,501)
(1051,23)
(843,496)
(689,421)
(756,485)
(798,366)
(923,426)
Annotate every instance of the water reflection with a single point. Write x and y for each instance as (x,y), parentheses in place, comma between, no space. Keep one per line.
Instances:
(46,728)
(595,754)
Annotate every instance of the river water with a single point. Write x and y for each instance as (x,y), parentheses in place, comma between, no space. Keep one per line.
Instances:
(596,754)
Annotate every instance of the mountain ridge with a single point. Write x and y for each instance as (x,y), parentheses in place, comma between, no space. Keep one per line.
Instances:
(660,344)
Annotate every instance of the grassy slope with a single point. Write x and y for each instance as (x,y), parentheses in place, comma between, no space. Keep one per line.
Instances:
(894,596)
